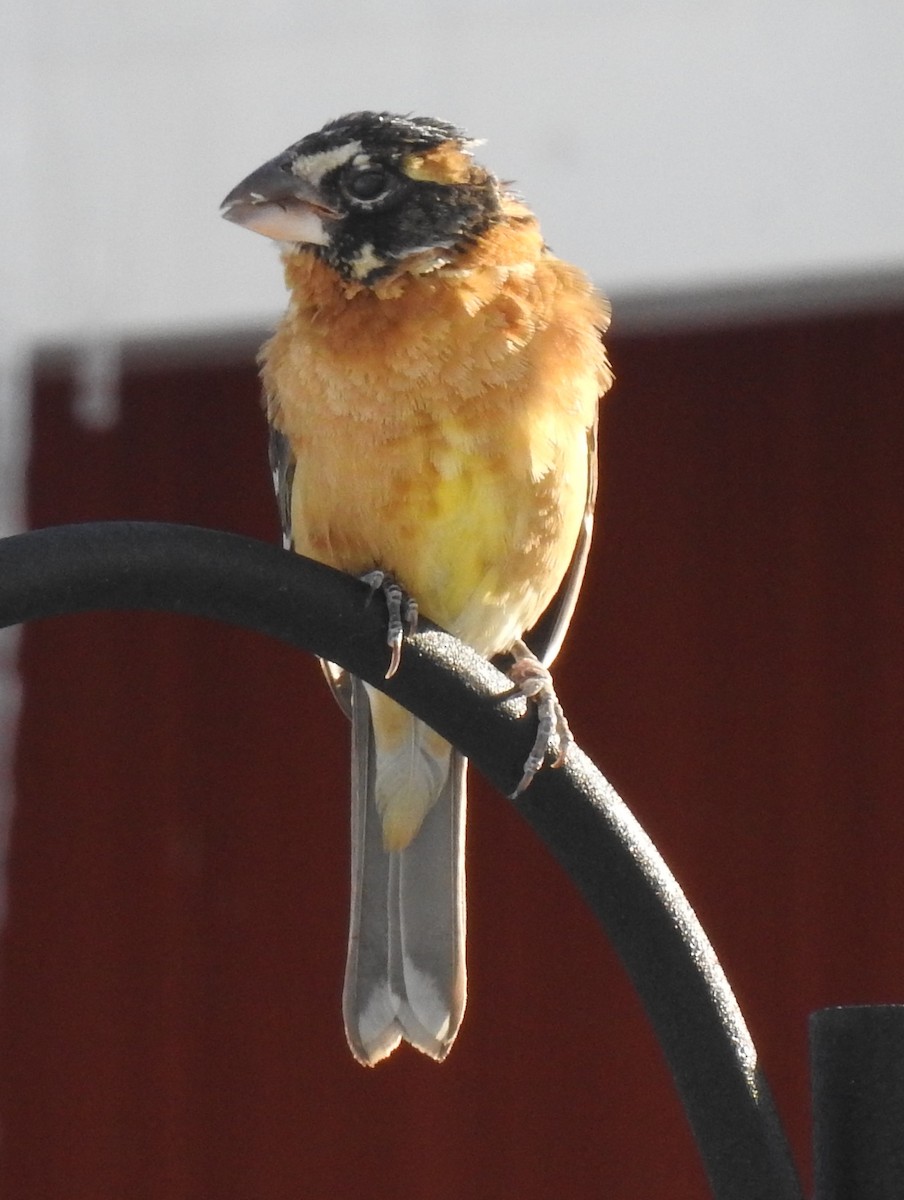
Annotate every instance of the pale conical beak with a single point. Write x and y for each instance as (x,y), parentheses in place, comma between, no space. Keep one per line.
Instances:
(280,205)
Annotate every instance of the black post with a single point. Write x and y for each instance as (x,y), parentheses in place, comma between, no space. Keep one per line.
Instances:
(857,1063)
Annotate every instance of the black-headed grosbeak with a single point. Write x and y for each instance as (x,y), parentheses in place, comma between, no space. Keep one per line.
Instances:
(432,393)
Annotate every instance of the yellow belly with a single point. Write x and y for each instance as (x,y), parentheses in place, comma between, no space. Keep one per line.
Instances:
(455,515)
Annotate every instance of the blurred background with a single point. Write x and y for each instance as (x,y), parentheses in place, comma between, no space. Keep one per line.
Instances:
(733,176)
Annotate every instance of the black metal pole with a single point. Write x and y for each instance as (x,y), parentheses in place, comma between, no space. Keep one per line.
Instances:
(857,1063)
(126,565)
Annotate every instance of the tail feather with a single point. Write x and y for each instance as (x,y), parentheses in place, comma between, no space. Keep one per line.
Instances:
(405,973)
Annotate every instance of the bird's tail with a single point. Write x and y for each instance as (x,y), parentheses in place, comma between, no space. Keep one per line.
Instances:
(405,973)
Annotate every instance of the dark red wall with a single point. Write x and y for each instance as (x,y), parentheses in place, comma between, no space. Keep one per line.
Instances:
(173,958)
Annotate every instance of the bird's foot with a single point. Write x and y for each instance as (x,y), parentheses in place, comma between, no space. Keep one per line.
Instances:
(534,681)
(402,614)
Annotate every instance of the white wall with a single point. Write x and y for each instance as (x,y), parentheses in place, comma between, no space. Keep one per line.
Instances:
(667,145)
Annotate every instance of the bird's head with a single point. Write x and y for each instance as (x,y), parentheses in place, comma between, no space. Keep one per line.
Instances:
(370,193)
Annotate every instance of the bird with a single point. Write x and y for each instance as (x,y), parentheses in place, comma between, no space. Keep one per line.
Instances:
(432,394)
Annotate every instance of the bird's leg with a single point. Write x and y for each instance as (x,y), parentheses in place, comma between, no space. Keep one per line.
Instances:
(534,681)
(402,614)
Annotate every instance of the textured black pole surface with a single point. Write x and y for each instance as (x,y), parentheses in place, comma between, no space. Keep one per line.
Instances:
(857,1063)
(126,565)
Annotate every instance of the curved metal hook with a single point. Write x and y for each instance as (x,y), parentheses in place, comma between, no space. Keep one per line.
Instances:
(131,565)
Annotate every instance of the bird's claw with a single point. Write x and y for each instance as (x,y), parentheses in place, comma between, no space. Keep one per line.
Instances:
(534,681)
(402,614)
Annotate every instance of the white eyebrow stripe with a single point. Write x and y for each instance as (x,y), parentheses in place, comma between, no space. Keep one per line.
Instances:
(313,167)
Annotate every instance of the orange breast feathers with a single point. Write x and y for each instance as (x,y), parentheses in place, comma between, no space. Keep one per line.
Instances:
(439,421)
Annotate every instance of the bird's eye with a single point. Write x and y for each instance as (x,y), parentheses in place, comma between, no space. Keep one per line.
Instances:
(367,184)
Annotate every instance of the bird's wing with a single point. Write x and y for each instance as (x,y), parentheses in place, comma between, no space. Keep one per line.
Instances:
(282,466)
(546,637)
